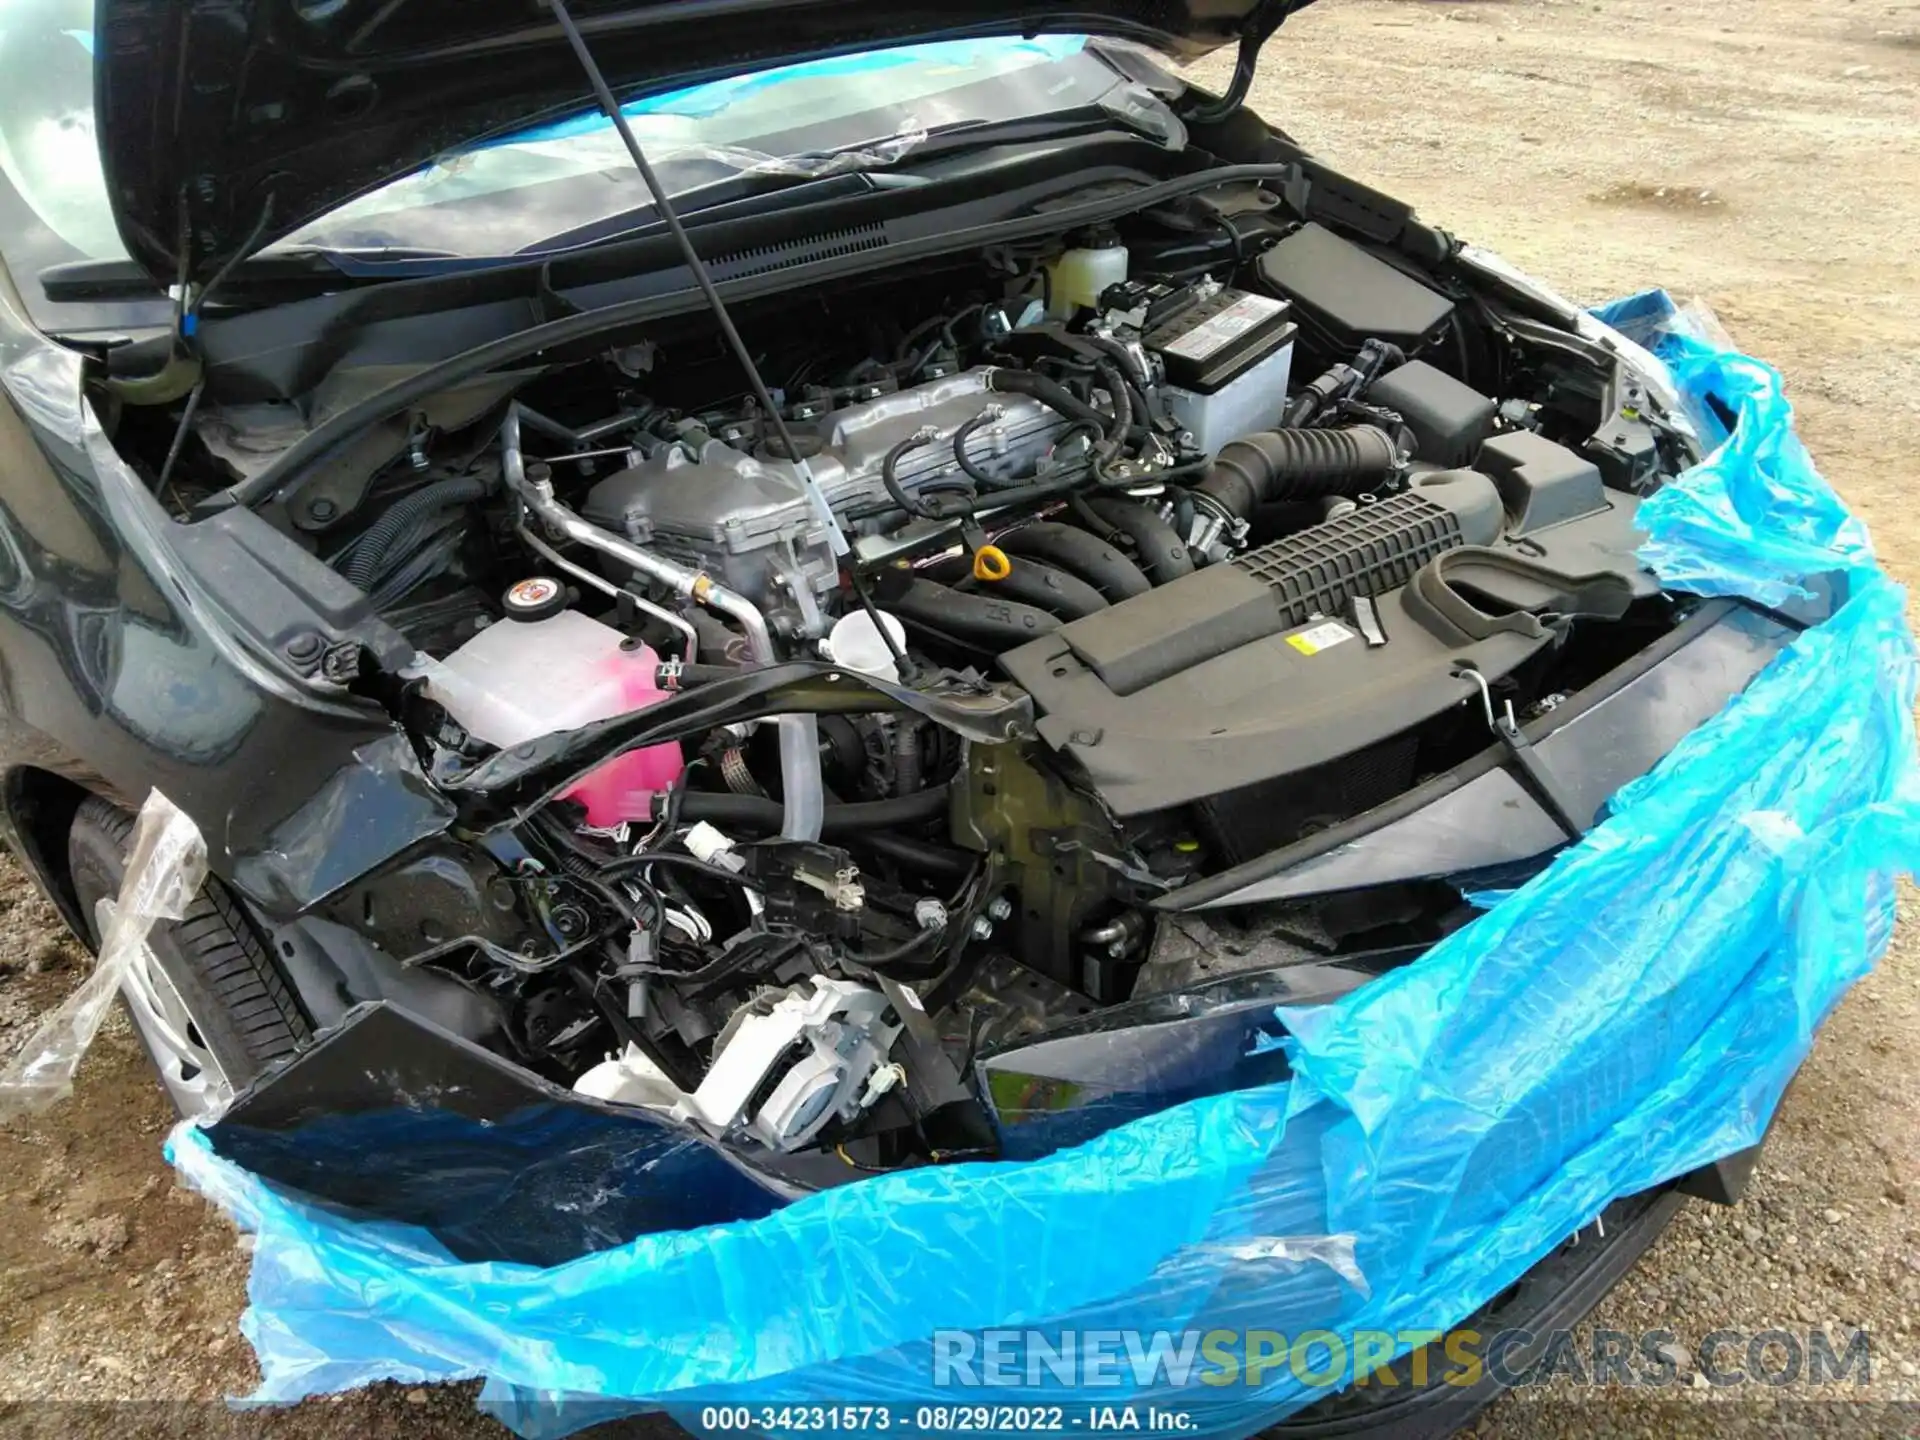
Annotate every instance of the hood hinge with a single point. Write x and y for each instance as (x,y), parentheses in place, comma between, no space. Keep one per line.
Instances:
(1261,23)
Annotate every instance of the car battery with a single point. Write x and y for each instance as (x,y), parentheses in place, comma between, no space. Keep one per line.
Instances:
(1227,354)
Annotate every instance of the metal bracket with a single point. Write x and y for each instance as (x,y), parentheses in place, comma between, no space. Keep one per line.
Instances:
(1366,619)
(1533,772)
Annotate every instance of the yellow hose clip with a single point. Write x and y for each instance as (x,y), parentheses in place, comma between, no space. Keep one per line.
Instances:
(990,563)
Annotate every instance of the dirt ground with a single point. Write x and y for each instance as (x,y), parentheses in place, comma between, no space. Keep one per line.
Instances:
(1760,154)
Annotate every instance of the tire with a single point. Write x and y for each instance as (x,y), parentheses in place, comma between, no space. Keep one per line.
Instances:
(238,1008)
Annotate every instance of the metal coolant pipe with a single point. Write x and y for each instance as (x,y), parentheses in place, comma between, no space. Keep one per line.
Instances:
(800,781)
(690,637)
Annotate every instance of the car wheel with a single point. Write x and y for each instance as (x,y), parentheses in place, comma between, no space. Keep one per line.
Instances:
(205,997)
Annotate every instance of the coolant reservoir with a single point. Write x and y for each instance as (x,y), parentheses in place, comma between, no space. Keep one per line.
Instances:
(520,679)
(1081,276)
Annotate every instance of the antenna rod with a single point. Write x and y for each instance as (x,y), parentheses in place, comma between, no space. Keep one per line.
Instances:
(822,511)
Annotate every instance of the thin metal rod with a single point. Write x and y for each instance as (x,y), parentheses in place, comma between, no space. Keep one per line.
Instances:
(903,665)
(180,434)
(698,268)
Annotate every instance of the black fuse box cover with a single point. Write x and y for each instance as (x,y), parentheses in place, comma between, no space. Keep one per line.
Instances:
(1343,296)
(1206,343)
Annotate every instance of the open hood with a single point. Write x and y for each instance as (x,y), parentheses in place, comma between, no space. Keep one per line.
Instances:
(226,124)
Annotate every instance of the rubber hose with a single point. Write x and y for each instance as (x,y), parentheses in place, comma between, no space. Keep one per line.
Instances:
(1115,384)
(685,677)
(1050,393)
(1080,553)
(907,767)
(1143,410)
(1082,515)
(1121,356)
(804,797)
(918,855)
(756,812)
(970,617)
(1157,546)
(1298,465)
(909,503)
(965,461)
(1031,582)
(1032,492)
(363,565)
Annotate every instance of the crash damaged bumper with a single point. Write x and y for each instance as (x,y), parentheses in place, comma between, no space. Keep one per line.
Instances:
(391,1114)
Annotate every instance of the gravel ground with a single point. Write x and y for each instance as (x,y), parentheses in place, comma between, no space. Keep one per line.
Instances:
(1761,155)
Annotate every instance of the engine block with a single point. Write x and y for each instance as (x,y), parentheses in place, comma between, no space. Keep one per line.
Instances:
(745,517)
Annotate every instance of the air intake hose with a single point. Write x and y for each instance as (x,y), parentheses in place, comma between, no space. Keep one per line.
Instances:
(1298,465)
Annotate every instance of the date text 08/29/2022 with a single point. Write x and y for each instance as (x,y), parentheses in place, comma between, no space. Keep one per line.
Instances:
(1320,1359)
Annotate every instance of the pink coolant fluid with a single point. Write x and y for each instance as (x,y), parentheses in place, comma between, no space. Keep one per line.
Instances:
(519,679)
(624,787)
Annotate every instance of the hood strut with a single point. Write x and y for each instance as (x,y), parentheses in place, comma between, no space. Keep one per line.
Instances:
(804,752)
(604,94)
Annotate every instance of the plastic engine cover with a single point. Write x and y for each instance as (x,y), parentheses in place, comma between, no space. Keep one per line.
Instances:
(1245,672)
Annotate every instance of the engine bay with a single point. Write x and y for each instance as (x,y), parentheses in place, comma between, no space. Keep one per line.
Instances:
(1239,527)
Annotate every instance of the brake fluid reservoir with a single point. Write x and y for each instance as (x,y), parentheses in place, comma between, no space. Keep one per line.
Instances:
(519,679)
(1080,276)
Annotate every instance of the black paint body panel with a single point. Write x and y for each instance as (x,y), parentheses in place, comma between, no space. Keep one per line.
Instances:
(137,653)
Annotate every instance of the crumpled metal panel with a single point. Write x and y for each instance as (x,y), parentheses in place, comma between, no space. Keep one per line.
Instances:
(1631,1013)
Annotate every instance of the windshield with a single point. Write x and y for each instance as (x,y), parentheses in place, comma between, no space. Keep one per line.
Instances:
(551,185)
(816,118)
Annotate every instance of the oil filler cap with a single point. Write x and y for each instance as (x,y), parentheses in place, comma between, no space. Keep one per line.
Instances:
(534,598)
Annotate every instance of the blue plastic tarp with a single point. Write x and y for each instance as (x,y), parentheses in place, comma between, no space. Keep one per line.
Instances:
(1631,1013)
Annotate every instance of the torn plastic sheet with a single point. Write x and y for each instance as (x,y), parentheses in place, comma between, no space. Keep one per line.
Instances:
(875,154)
(1754,519)
(535,159)
(1632,1012)
(164,872)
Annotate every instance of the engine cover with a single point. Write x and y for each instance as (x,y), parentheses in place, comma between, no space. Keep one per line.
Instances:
(1259,670)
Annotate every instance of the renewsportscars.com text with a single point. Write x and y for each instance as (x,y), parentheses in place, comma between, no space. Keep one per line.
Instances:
(1140,1361)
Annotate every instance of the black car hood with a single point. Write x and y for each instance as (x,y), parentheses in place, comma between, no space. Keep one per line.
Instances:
(225,124)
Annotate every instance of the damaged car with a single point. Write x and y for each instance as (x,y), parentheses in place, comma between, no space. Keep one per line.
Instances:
(766,601)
